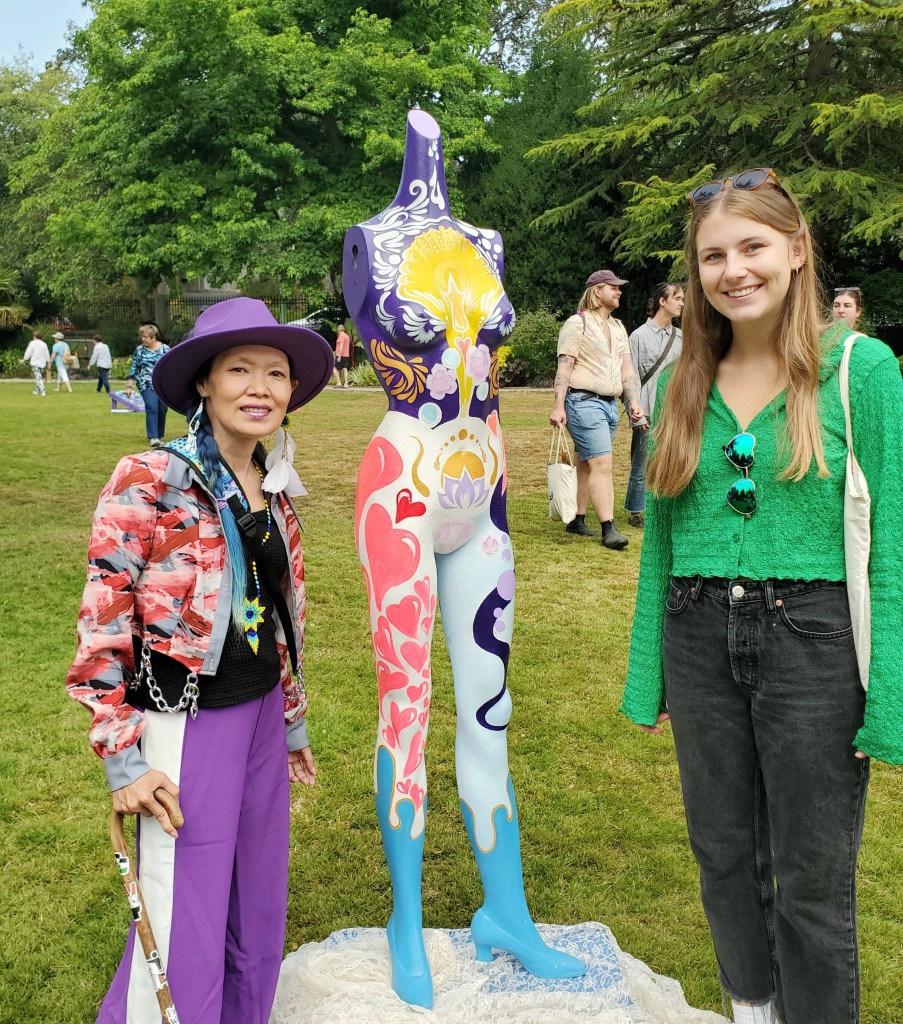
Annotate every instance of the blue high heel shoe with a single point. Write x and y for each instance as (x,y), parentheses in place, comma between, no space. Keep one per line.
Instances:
(540,960)
(411,977)
(504,922)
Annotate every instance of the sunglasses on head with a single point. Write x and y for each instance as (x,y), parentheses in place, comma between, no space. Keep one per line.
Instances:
(740,454)
(856,291)
(746,181)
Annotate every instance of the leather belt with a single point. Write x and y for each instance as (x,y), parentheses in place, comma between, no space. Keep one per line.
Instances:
(592,394)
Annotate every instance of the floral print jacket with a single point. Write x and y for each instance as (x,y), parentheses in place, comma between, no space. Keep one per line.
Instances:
(157,569)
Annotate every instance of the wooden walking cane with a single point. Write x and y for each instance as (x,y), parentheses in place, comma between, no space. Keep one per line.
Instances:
(136,902)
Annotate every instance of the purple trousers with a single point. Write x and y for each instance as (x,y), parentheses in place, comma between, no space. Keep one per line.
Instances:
(216,897)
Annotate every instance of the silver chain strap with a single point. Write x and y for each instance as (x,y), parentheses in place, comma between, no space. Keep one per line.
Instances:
(189,698)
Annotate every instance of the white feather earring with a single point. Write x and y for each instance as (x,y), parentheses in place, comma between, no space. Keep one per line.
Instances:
(281,475)
(195,422)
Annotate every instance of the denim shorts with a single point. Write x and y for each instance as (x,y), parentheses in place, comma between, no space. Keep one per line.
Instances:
(592,423)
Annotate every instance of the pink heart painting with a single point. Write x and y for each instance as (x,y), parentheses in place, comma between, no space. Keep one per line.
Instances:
(416,692)
(401,718)
(415,755)
(405,614)
(387,680)
(383,642)
(381,465)
(394,554)
(415,654)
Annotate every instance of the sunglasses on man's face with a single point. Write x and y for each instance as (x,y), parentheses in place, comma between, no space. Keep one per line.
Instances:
(740,454)
(746,181)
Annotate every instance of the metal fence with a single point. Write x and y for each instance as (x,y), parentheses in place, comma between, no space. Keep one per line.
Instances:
(179,312)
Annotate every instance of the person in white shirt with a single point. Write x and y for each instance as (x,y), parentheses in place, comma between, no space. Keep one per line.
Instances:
(101,358)
(37,354)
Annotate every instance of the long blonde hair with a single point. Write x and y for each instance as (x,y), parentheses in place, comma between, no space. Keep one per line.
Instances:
(589,300)
(707,336)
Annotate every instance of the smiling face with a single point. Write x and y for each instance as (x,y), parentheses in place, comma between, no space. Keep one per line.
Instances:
(745,268)
(846,307)
(246,392)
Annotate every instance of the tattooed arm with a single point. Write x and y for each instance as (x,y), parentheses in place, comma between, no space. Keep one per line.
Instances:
(630,396)
(558,417)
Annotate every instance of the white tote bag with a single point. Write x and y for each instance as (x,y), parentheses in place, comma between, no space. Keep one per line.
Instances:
(561,474)
(857,531)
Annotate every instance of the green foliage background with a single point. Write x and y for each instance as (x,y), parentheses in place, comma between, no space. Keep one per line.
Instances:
(238,139)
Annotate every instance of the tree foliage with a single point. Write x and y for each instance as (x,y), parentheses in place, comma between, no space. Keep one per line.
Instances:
(696,89)
(27,101)
(545,266)
(226,137)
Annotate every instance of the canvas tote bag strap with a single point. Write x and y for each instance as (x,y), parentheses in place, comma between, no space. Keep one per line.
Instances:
(559,442)
(843,375)
(857,528)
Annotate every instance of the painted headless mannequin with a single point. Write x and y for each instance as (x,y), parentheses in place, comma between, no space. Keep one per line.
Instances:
(426,295)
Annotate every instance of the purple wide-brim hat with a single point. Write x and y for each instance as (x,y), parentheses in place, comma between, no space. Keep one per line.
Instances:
(235,322)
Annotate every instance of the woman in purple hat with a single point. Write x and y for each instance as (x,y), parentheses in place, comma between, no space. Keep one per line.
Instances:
(190,636)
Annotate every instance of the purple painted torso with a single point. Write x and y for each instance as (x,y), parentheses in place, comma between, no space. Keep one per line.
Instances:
(425,292)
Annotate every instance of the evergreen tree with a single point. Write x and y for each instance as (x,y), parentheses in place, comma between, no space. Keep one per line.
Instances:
(506,191)
(696,89)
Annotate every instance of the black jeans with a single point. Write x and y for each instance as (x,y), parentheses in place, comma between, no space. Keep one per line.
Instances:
(765,701)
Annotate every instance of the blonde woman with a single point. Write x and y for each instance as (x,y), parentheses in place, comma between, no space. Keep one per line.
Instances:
(151,348)
(742,634)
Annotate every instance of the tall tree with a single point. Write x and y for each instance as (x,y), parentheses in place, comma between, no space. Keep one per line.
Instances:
(543,264)
(694,89)
(225,137)
(27,101)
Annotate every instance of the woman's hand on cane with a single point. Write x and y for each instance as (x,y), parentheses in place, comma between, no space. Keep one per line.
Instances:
(138,798)
(301,767)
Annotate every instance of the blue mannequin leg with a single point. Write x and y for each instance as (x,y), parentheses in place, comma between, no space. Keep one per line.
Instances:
(411,976)
(504,922)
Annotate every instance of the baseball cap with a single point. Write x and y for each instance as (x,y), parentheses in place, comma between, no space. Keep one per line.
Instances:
(604,277)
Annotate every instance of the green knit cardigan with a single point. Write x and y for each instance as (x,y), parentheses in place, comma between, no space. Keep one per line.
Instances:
(796,532)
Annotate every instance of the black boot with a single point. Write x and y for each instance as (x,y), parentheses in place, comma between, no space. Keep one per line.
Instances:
(611,538)
(578,525)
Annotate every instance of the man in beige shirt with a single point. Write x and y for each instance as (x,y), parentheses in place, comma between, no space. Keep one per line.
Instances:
(594,371)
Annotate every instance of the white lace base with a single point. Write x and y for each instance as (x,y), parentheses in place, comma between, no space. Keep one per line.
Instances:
(347,980)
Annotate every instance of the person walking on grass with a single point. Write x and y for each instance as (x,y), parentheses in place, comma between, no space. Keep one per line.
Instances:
(151,348)
(594,371)
(742,634)
(62,354)
(190,636)
(101,358)
(37,355)
(653,346)
(342,356)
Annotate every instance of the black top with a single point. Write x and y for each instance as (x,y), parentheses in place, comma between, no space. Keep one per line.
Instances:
(242,675)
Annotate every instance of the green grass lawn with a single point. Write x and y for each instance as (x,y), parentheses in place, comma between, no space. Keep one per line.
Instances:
(601,816)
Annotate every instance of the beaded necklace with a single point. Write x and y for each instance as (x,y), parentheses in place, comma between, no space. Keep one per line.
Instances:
(254,609)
